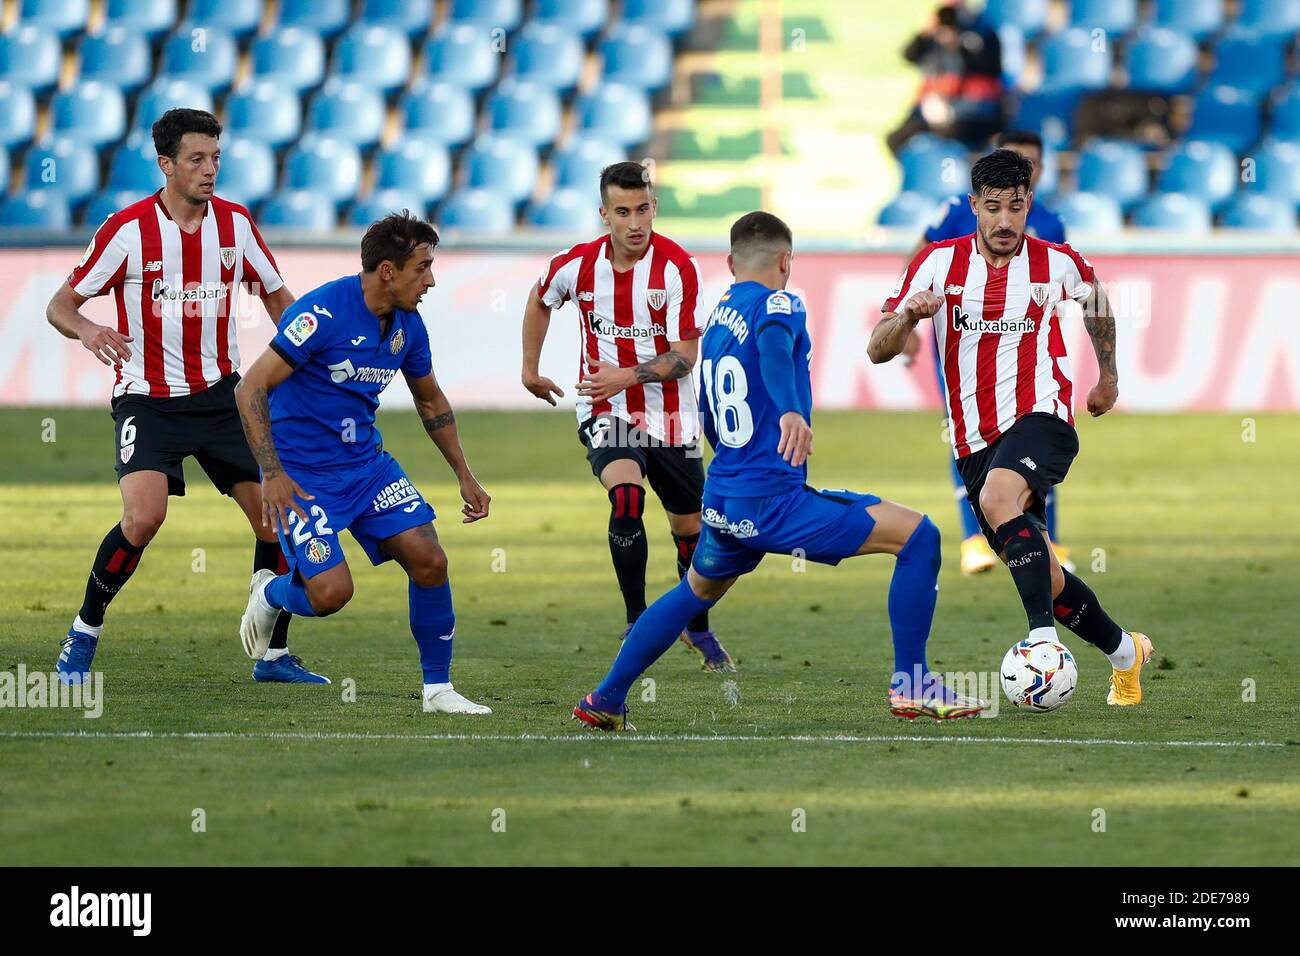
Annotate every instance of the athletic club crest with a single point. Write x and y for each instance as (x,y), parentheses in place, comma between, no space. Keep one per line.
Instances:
(656,298)
(1038,292)
(399,339)
(228,257)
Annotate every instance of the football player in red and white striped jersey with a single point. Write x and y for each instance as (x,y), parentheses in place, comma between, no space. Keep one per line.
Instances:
(994,297)
(174,263)
(637,295)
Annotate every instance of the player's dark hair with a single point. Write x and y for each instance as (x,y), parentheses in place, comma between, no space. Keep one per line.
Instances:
(759,228)
(1020,137)
(174,124)
(394,238)
(625,175)
(1000,169)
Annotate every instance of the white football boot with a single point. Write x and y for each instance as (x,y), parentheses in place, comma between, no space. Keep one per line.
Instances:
(443,699)
(258,622)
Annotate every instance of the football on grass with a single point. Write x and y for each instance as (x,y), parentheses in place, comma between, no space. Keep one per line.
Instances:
(1039,675)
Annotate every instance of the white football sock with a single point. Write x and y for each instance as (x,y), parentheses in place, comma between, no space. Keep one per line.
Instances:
(79,625)
(1043,634)
(1124,656)
(275,653)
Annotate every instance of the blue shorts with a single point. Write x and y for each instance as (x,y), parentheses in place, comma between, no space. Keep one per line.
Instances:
(374,502)
(823,526)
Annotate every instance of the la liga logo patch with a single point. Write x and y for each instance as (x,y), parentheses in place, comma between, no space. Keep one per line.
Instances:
(301,328)
(318,551)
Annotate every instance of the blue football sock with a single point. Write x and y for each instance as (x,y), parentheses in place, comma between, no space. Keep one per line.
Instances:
(969,523)
(1050,505)
(288,593)
(432,623)
(651,635)
(913,592)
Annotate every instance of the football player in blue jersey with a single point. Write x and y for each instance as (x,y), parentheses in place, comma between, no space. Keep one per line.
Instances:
(308,406)
(756,410)
(953,219)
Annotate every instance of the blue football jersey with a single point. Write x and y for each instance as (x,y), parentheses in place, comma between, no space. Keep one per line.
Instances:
(323,414)
(740,419)
(955,218)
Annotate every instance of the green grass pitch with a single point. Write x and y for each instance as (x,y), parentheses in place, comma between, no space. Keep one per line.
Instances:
(1193,518)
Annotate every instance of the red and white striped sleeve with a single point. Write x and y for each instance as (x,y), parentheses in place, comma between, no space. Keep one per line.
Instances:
(1079,276)
(917,277)
(684,301)
(556,284)
(261,274)
(103,267)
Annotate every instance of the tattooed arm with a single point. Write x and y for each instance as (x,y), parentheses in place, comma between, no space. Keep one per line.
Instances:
(605,380)
(252,398)
(440,422)
(1099,320)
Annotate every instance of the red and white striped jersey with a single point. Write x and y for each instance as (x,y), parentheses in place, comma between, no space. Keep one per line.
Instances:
(175,291)
(627,318)
(999,333)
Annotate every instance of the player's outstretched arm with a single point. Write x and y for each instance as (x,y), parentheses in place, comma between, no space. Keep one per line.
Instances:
(537,320)
(252,400)
(890,336)
(64,313)
(276,302)
(440,422)
(605,380)
(1099,320)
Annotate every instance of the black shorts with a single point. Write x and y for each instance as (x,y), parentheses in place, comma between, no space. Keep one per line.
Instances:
(158,434)
(1039,447)
(675,472)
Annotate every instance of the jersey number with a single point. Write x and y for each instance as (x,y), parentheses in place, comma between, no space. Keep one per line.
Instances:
(301,530)
(726,396)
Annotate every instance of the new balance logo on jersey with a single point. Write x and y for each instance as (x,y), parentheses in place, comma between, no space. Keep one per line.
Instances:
(954,290)
(153,265)
(1029,463)
(586,297)
(604,327)
(962,322)
(340,372)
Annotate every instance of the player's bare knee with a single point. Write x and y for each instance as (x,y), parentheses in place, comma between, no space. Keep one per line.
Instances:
(329,595)
(431,570)
(708,589)
(141,524)
(998,504)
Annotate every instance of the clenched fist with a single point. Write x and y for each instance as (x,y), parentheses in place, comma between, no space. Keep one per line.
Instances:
(923,305)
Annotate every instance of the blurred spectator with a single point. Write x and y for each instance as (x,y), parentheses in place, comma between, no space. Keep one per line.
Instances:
(960,58)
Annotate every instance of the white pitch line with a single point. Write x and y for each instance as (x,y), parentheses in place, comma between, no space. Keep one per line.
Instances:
(630,738)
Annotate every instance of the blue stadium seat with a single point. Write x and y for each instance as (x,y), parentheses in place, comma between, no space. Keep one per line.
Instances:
(17,116)
(247,174)
(41,209)
(1259,212)
(62,166)
(328,167)
(297,209)
(149,18)
(488,14)
(324,17)
(1114,168)
(134,167)
(208,57)
(1249,61)
(30,57)
(578,165)
(439,110)
(908,210)
(409,16)
(1277,172)
(565,210)
(348,110)
(381,203)
(1029,15)
(1049,178)
(90,111)
(61,17)
(1071,63)
(582,18)
(164,94)
(477,210)
(1173,211)
(1162,61)
(502,164)
(673,17)
(116,56)
(1226,115)
(1271,17)
(1285,122)
(1050,114)
(615,112)
(462,54)
(1013,55)
(1206,170)
(1196,18)
(292,57)
(266,111)
(1089,212)
(637,57)
(377,56)
(548,55)
(1116,17)
(934,167)
(4,168)
(108,201)
(237,17)
(525,111)
(416,166)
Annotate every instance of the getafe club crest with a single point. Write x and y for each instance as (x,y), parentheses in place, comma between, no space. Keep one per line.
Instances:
(399,339)
(656,298)
(228,256)
(318,551)
(1038,291)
